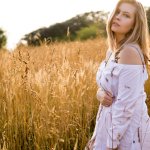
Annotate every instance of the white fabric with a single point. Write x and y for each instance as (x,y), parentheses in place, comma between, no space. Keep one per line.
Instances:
(124,123)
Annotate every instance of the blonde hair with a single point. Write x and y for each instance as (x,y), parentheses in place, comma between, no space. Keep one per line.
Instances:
(139,34)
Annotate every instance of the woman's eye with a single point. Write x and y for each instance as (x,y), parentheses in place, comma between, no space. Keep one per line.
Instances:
(126,15)
(117,12)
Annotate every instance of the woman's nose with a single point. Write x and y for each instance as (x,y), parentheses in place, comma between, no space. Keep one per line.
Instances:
(118,16)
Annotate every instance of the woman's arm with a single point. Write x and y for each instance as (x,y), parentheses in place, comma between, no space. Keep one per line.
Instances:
(105,98)
(124,106)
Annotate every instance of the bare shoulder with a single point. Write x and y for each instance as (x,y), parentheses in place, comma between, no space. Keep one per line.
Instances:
(129,55)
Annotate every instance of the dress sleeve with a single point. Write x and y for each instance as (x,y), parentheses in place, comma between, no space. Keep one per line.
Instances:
(123,108)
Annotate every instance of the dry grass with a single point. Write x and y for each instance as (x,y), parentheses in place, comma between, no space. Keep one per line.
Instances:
(48,95)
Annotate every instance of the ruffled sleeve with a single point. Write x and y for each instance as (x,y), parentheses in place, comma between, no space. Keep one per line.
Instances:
(129,87)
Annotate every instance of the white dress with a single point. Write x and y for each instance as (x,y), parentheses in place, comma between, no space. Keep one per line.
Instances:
(125,124)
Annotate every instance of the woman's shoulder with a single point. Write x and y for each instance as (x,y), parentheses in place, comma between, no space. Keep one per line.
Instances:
(130,54)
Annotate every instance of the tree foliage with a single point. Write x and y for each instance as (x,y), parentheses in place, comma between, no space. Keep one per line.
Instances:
(82,26)
(92,31)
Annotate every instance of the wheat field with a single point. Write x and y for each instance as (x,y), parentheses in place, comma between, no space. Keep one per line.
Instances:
(48,95)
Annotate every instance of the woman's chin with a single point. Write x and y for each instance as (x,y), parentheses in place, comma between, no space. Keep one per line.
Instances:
(114,29)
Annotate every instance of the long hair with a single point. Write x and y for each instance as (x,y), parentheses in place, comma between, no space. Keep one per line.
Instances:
(139,34)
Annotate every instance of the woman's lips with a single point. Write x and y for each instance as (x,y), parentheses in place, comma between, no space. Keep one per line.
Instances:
(115,24)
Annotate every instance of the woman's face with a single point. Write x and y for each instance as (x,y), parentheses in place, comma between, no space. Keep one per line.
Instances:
(123,20)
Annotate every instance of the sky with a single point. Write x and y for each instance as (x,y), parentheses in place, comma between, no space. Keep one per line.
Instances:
(20,17)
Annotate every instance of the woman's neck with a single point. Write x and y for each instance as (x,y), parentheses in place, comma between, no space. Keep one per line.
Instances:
(119,37)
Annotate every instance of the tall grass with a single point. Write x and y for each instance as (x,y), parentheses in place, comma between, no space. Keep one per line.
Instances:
(48,95)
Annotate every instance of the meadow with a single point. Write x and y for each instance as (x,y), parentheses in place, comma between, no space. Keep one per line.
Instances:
(48,95)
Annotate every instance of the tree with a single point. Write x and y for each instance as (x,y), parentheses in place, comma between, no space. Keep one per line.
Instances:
(3,39)
(83,26)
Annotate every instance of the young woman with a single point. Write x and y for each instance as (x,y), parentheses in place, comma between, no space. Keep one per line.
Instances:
(122,121)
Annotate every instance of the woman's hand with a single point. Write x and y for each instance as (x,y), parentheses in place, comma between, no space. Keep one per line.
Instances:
(105,98)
